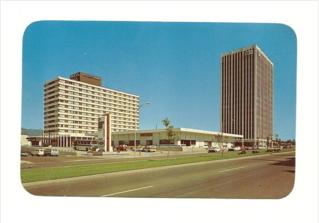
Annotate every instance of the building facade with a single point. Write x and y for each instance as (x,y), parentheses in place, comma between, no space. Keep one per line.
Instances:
(72,106)
(182,137)
(247,94)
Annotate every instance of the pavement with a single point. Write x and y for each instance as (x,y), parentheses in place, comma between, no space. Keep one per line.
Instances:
(265,176)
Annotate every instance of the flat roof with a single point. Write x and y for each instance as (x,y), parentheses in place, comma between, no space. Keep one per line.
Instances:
(254,46)
(178,130)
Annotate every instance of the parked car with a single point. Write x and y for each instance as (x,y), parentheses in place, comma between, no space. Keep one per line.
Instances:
(237,148)
(150,148)
(121,148)
(213,149)
(51,152)
(24,154)
(138,149)
(82,147)
(37,152)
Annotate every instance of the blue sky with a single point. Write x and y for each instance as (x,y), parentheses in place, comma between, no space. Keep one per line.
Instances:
(174,66)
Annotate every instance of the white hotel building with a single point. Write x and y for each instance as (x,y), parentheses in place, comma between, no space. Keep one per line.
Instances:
(72,107)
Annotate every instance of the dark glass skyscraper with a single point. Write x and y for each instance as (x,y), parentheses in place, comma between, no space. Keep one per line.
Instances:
(247,94)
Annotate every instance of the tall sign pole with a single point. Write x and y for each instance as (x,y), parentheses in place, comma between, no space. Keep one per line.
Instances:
(107,133)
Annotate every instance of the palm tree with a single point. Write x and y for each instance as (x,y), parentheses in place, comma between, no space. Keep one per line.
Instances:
(169,129)
(166,122)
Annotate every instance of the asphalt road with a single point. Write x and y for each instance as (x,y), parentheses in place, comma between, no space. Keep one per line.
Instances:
(269,176)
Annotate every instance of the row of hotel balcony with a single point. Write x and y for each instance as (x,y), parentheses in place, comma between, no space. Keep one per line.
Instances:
(53,114)
(89,113)
(90,96)
(75,85)
(88,105)
(80,109)
(82,126)
(84,109)
(87,123)
(84,117)
(87,130)
(108,94)
(94,106)
(72,132)
(88,119)
(54,97)
(82,104)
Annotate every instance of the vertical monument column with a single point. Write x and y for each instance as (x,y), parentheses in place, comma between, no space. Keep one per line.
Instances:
(107,134)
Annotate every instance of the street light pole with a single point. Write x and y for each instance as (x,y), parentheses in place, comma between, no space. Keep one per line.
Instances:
(139,107)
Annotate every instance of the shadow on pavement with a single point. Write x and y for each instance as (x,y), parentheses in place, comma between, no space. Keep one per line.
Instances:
(286,162)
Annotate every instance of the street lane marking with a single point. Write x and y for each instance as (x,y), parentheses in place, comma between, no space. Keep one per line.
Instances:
(122,192)
(221,171)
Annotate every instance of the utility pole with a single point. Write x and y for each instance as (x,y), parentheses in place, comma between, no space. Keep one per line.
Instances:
(135,133)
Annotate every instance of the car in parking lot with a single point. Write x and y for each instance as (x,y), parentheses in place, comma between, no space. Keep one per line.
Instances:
(51,152)
(37,152)
(24,154)
(121,148)
(236,148)
(213,149)
(149,148)
(278,149)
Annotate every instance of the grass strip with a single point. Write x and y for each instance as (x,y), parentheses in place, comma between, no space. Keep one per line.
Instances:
(52,173)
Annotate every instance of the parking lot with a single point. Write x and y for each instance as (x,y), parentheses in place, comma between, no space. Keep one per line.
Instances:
(78,158)
(69,157)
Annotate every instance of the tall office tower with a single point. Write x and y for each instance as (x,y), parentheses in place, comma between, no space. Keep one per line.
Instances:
(73,106)
(247,94)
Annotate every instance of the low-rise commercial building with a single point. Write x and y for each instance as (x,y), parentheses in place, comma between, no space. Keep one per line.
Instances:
(181,136)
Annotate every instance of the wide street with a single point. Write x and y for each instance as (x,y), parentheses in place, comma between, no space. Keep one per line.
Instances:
(264,176)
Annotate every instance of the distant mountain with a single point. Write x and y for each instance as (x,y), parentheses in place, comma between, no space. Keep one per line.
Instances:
(31,132)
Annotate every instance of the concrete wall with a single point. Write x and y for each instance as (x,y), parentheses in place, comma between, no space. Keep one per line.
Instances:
(116,137)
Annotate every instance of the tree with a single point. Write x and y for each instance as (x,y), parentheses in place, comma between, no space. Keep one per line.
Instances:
(220,140)
(166,122)
(277,140)
(268,141)
(272,138)
(169,130)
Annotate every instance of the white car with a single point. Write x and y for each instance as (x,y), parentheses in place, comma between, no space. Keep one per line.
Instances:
(213,149)
(150,148)
(37,152)
(237,148)
(51,152)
